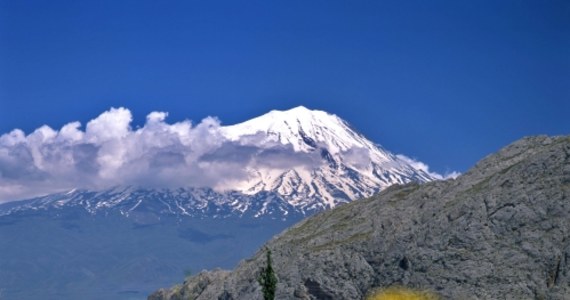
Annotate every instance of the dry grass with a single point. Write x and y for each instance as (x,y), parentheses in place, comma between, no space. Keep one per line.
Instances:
(401,293)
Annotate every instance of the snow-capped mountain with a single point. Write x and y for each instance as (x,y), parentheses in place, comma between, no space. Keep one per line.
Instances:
(299,161)
(348,166)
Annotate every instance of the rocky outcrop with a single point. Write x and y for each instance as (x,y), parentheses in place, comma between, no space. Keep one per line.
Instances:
(192,288)
(499,231)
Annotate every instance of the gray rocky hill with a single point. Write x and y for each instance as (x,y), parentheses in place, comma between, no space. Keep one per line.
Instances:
(499,231)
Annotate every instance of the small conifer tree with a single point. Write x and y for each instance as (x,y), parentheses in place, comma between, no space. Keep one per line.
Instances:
(267,279)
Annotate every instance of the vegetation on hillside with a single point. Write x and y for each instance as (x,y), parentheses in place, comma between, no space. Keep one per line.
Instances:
(402,293)
(267,279)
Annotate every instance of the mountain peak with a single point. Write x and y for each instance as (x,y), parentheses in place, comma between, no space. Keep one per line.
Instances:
(301,113)
(300,127)
(299,108)
(344,165)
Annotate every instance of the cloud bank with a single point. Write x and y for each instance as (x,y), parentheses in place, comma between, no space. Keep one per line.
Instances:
(108,152)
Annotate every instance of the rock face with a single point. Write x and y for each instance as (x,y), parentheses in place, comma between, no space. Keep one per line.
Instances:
(500,231)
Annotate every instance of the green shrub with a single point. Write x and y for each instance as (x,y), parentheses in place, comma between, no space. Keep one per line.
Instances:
(267,279)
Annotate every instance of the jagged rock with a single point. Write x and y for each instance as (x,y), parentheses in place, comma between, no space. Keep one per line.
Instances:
(500,231)
(191,288)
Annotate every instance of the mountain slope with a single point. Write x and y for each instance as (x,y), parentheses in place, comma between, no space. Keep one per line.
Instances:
(500,231)
(339,164)
(132,202)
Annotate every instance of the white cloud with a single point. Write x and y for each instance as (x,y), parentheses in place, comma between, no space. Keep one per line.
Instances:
(451,175)
(71,132)
(16,136)
(424,167)
(156,117)
(109,152)
(112,124)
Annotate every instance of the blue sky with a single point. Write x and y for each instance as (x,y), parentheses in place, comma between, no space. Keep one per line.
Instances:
(446,82)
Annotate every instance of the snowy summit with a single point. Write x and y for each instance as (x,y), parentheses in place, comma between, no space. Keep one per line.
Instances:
(298,160)
(346,165)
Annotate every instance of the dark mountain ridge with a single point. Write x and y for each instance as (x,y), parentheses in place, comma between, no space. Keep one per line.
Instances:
(499,231)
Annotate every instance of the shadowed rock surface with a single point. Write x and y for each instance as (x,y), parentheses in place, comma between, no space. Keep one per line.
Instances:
(499,231)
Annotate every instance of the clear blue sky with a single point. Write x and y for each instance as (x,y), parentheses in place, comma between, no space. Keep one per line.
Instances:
(446,82)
